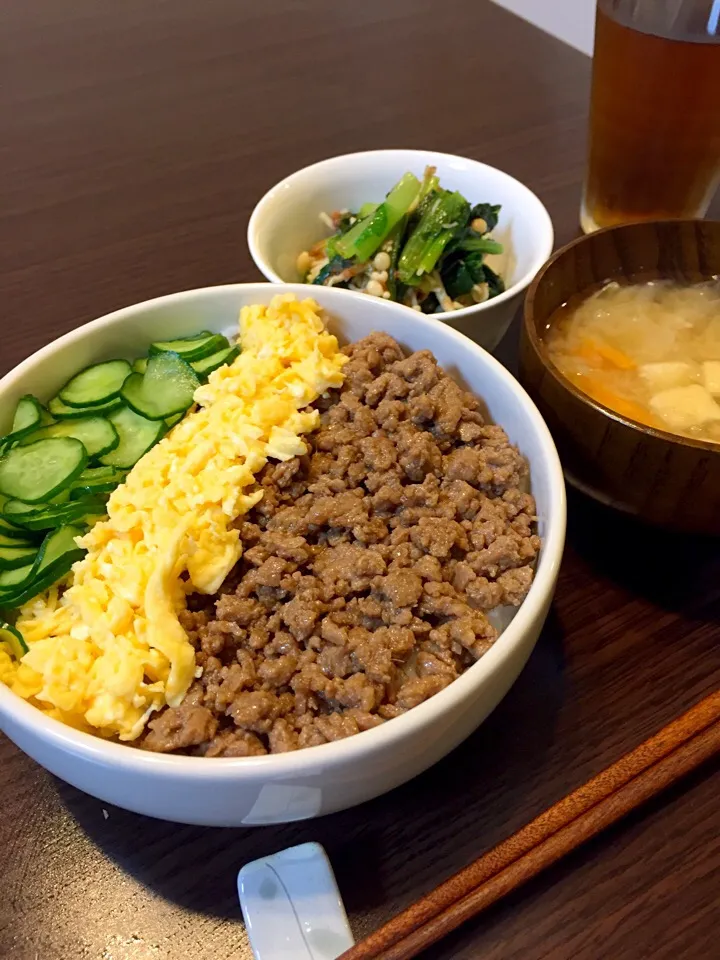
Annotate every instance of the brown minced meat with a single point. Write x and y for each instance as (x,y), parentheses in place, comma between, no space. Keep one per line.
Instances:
(369,567)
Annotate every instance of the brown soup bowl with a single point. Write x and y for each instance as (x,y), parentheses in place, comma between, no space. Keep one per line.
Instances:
(653,475)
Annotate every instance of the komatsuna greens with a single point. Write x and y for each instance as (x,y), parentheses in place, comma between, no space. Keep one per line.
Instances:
(422,246)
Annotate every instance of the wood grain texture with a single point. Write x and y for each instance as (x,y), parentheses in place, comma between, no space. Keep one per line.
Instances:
(136,139)
(660,762)
(674,482)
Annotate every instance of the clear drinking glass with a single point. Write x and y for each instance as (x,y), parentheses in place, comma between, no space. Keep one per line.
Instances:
(654,112)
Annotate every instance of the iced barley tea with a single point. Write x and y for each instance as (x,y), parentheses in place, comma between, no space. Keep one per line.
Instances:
(655,111)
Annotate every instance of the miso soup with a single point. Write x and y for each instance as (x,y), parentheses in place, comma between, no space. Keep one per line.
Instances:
(649,351)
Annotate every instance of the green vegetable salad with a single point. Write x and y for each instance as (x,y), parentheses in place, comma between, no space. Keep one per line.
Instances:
(423,246)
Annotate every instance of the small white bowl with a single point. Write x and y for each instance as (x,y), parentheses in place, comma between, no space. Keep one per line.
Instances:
(317,780)
(287,221)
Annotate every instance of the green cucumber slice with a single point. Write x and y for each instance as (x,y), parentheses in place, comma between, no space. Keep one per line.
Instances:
(13,557)
(58,552)
(11,580)
(140,365)
(62,411)
(167,387)
(97,473)
(37,472)
(95,385)
(15,640)
(16,508)
(21,541)
(10,531)
(96,480)
(203,368)
(97,435)
(13,511)
(59,545)
(28,415)
(192,348)
(137,435)
(49,516)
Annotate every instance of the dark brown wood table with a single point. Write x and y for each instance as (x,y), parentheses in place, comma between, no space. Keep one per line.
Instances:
(135,138)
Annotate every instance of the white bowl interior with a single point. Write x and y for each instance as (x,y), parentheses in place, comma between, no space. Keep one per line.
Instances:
(232,792)
(287,219)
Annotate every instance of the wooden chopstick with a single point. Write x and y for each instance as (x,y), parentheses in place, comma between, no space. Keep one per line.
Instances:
(674,751)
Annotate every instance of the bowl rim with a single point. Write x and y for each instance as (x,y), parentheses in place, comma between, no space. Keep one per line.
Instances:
(545,232)
(530,328)
(57,735)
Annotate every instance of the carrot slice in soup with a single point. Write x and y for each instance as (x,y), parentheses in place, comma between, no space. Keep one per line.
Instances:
(587,352)
(594,352)
(626,408)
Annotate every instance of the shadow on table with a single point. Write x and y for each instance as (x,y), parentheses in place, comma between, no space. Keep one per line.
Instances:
(672,570)
(388,850)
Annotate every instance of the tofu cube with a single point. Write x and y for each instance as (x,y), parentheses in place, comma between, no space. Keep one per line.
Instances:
(682,408)
(663,376)
(711,376)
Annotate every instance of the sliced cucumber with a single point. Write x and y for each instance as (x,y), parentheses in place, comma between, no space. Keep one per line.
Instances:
(57,553)
(97,434)
(28,415)
(10,535)
(171,421)
(23,515)
(203,368)
(14,510)
(137,435)
(95,385)
(14,639)
(60,553)
(167,387)
(97,473)
(37,472)
(140,365)
(49,516)
(58,546)
(10,531)
(192,348)
(13,557)
(11,580)
(96,480)
(20,541)
(62,411)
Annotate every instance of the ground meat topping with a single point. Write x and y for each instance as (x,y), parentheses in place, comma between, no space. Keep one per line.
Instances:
(369,569)
(178,728)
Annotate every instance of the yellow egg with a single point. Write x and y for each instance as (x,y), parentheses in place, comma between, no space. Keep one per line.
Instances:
(7,666)
(111,650)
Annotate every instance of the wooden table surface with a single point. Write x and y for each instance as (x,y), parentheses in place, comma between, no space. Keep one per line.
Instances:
(136,137)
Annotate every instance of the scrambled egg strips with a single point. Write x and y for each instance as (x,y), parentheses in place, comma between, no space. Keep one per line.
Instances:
(110,650)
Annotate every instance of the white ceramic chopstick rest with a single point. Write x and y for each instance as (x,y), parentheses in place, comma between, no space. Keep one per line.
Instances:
(292,906)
